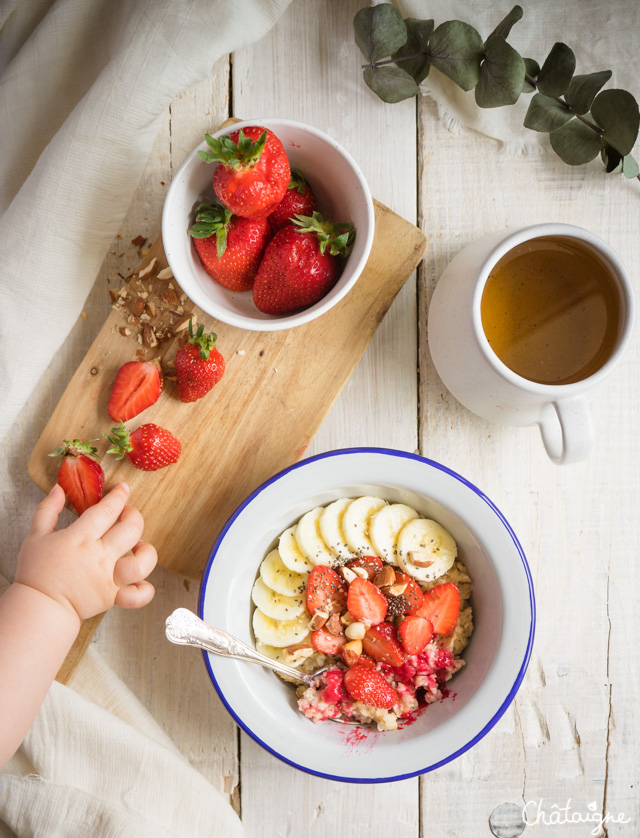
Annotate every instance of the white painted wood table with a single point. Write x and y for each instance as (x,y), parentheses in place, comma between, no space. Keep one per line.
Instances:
(573,732)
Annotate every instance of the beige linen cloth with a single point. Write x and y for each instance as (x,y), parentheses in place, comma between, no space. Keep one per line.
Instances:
(84,85)
(603,36)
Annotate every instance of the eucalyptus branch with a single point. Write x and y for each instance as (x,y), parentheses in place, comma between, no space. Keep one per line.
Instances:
(581,119)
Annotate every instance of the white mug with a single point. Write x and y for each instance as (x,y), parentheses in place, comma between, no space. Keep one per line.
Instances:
(481,381)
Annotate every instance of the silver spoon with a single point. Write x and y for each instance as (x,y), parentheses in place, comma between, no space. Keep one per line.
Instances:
(187,629)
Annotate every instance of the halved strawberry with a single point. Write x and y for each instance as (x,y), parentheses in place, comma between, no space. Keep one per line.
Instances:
(324,641)
(441,605)
(369,686)
(413,592)
(326,591)
(372,564)
(80,475)
(366,602)
(381,643)
(414,633)
(137,386)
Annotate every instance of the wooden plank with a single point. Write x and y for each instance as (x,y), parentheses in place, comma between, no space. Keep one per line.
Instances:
(277,388)
(552,744)
(308,69)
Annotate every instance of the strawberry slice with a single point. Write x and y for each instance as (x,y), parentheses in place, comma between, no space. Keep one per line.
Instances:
(137,386)
(381,643)
(324,641)
(441,605)
(80,475)
(413,593)
(326,591)
(369,686)
(414,633)
(372,564)
(366,602)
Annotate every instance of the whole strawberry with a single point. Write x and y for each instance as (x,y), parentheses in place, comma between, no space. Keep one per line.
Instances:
(149,448)
(230,247)
(80,475)
(298,200)
(199,366)
(253,172)
(301,263)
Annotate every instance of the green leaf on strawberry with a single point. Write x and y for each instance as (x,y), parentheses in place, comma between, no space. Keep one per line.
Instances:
(238,155)
(212,220)
(339,238)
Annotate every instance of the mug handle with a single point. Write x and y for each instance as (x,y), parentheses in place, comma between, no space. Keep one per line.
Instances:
(567,430)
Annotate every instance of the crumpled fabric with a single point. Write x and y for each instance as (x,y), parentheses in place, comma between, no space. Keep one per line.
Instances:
(84,85)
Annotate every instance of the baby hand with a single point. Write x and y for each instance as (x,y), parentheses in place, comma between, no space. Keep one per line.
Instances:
(83,567)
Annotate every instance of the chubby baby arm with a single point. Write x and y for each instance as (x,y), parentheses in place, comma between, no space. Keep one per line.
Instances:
(62,578)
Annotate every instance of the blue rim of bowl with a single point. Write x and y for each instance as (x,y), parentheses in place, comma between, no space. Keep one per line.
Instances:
(516,684)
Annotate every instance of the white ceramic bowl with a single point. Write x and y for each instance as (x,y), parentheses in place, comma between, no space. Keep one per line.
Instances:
(496,658)
(342,194)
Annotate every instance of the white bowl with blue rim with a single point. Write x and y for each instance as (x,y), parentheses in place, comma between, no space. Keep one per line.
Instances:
(342,194)
(496,658)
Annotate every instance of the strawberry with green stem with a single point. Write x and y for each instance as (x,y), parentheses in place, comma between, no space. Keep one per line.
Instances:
(253,171)
(198,364)
(301,264)
(299,199)
(230,247)
(148,448)
(80,474)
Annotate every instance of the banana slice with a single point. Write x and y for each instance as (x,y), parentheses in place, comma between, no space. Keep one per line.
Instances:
(277,654)
(277,606)
(385,526)
(355,524)
(290,552)
(279,633)
(277,576)
(308,538)
(331,528)
(425,549)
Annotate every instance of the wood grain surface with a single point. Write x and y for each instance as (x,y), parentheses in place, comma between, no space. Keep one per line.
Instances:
(276,390)
(573,731)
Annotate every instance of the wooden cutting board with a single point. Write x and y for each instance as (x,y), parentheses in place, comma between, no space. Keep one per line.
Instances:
(260,418)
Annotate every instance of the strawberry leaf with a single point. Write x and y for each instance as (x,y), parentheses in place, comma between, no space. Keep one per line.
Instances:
(212,220)
(205,342)
(235,155)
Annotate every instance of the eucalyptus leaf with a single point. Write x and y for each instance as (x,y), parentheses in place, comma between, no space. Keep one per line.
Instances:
(616,111)
(630,167)
(583,89)
(531,68)
(418,34)
(556,72)
(506,24)
(501,74)
(456,50)
(379,31)
(575,143)
(546,114)
(611,158)
(391,84)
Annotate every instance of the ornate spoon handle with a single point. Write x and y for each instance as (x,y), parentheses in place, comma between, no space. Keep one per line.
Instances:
(187,629)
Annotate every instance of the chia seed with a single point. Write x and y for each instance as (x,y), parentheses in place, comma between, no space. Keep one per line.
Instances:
(396,606)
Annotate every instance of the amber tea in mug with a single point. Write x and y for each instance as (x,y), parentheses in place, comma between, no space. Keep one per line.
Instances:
(551,310)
